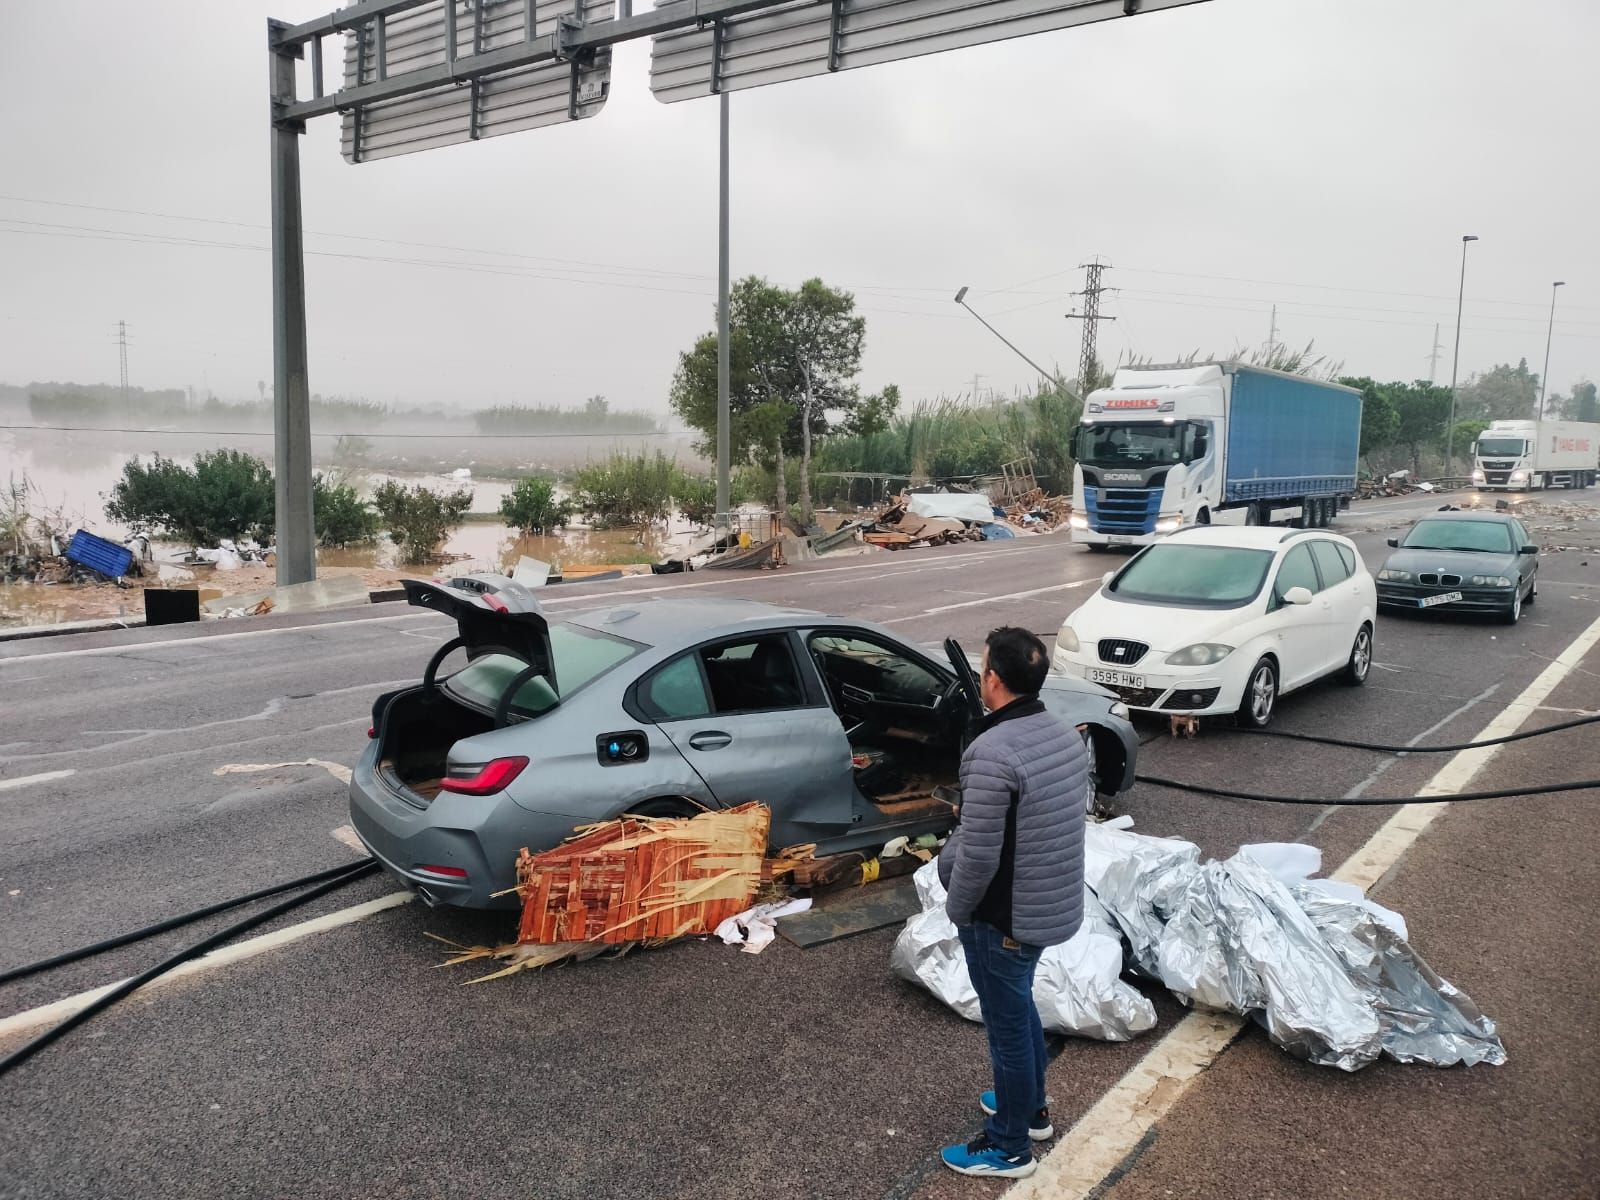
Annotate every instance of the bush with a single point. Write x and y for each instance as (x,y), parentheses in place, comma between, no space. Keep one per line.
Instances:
(343,517)
(626,490)
(418,518)
(226,494)
(696,496)
(532,507)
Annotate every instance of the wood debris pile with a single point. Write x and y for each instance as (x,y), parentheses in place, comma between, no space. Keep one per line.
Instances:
(632,881)
(1037,507)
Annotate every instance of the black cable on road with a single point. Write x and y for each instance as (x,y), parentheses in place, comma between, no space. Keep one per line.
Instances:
(1450,749)
(1582,785)
(21,1055)
(138,935)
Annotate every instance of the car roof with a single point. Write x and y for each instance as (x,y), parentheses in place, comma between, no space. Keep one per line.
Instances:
(1499,518)
(1244,537)
(682,621)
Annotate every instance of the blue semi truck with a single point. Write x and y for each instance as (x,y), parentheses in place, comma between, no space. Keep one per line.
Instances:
(1196,443)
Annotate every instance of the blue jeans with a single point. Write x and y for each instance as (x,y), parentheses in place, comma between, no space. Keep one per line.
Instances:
(1002,974)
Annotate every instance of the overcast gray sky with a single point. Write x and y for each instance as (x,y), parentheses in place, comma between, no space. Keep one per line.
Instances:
(1323,155)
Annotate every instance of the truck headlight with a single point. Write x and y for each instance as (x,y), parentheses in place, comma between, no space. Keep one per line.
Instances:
(1518,476)
(1393,576)
(1201,654)
(1067,640)
(1169,524)
(1490,581)
(1077,522)
(1477,477)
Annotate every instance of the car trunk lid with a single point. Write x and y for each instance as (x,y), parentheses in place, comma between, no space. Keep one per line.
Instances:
(492,615)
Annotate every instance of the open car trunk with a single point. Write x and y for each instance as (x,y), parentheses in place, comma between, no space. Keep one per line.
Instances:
(418,726)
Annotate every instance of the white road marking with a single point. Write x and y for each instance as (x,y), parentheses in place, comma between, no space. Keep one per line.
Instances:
(928,612)
(338,770)
(7,784)
(1120,1119)
(208,638)
(49,1014)
(346,835)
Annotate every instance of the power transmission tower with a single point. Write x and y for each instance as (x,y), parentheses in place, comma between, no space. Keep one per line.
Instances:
(1433,359)
(976,378)
(1090,316)
(1272,335)
(122,351)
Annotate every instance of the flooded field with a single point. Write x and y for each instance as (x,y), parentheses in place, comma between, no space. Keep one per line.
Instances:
(71,473)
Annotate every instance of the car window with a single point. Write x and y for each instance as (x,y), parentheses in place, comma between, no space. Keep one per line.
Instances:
(1349,557)
(752,675)
(675,692)
(876,668)
(1297,571)
(1520,532)
(1330,562)
(579,656)
(1487,537)
(1193,576)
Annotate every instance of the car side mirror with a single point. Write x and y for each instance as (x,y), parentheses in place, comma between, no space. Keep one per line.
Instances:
(1530,549)
(1394,542)
(1297,595)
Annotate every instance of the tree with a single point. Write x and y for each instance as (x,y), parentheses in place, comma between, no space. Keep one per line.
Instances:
(1502,393)
(1380,419)
(532,506)
(873,414)
(419,518)
(1581,405)
(225,494)
(1464,437)
(793,356)
(596,406)
(342,517)
(1424,409)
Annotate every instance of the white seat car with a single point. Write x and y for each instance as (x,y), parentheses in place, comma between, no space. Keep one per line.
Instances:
(1219,619)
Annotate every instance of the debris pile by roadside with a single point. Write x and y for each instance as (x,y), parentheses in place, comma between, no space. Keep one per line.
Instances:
(939,518)
(630,882)
(1326,972)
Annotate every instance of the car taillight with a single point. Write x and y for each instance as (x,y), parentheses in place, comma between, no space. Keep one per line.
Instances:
(447,872)
(490,778)
(372,731)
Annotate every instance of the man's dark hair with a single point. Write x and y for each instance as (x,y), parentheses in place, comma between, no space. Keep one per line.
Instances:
(1019,658)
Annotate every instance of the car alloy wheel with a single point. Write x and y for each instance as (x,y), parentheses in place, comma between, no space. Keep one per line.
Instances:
(1092,792)
(1260,695)
(1514,613)
(1355,671)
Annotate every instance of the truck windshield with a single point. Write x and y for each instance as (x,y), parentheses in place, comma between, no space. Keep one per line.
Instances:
(1194,576)
(1501,447)
(1135,443)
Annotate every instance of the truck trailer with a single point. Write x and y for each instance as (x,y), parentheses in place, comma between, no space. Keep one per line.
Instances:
(1196,443)
(1519,456)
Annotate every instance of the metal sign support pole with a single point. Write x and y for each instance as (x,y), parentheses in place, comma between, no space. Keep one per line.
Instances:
(291,398)
(723,349)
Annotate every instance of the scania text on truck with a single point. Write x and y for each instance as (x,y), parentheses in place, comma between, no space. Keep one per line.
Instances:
(1197,443)
(1519,456)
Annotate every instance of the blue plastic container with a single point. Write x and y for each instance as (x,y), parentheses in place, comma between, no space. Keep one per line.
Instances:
(108,558)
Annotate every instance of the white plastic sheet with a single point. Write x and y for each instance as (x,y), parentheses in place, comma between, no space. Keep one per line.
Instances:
(952,506)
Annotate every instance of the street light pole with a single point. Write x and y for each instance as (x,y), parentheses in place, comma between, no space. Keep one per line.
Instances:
(724,420)
(1455,362)
(1544,379)
(961,299)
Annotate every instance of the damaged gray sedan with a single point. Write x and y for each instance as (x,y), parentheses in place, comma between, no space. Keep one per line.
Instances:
(665,708)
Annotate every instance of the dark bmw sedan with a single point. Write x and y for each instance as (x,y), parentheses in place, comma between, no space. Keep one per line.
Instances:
(1462,562)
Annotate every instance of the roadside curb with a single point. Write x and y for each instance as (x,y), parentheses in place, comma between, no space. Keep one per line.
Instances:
(97,626)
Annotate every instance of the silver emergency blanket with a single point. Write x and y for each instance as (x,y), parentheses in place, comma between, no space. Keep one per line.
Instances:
(1326,972)
(1078,986)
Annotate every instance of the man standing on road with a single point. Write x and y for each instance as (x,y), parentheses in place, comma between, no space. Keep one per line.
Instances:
(1013,871)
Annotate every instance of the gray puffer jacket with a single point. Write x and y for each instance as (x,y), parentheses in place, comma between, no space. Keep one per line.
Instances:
(1016,859)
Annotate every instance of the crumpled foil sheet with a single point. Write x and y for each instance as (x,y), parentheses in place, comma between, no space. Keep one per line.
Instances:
(1078,986)
(1326,972)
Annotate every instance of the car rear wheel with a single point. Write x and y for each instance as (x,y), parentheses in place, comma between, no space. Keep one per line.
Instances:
(1360,662)
(1260,695)
(666,806)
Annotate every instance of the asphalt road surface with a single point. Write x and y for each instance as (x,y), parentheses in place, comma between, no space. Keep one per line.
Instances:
(345,1064)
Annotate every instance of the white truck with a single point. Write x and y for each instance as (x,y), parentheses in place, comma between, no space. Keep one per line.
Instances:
(1196,443)
(1520,456)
